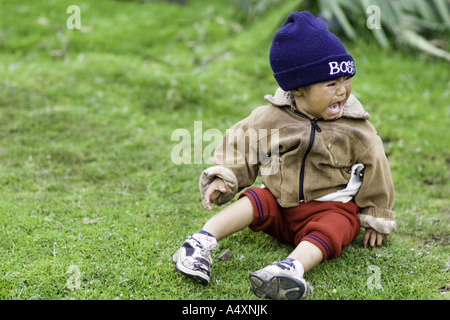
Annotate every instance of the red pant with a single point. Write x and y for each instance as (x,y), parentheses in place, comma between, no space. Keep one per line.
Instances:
(329,225)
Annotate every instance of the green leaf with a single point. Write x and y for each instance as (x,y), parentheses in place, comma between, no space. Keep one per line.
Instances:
(416,40)
(426,10)
(443,10)
(381,37)
(340,16)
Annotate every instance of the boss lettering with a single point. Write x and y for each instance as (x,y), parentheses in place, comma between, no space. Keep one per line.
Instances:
(344,66)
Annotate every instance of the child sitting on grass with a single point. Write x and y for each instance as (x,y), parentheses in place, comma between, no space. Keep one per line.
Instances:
(327,175)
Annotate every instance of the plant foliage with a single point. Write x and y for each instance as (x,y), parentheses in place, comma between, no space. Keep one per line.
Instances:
(419,24)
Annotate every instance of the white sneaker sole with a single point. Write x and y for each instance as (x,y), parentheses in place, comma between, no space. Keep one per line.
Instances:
(279,287)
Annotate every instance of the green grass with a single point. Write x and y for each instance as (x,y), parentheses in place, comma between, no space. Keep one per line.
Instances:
(87,180)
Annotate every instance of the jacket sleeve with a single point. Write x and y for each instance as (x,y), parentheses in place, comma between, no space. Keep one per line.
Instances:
(376,196)
(235,161)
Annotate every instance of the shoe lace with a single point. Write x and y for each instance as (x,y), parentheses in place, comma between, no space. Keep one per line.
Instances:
(309,290)
(205,251)
(212,246)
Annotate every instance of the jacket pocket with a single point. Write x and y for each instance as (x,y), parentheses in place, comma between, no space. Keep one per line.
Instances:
(271,174)
(340,149)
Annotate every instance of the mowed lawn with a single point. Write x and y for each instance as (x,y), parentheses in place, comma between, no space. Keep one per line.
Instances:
(92,203)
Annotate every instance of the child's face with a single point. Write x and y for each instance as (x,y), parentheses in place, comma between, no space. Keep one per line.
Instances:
(324,100)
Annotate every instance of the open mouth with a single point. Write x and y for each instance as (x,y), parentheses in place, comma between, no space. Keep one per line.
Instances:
(335,108)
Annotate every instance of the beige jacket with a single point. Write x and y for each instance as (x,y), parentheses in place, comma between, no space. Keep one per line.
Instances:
(299,159)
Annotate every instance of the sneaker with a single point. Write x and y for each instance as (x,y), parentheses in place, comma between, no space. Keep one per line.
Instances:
(193,259)
(280,281)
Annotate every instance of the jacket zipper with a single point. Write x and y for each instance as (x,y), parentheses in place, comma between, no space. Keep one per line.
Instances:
(314,127)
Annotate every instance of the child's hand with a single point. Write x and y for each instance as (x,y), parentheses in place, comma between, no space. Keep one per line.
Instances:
(213,192)
(373,238)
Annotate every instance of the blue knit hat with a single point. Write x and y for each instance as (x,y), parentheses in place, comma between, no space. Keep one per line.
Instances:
(304,52)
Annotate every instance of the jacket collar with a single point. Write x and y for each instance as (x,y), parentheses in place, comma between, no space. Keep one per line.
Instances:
(353,109)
